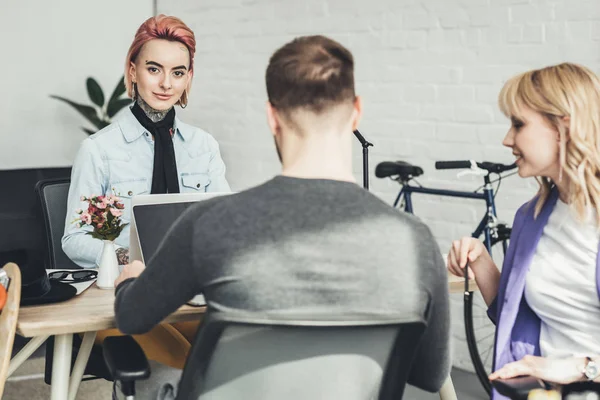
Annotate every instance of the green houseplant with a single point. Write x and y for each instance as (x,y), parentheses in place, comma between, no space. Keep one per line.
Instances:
(100,113)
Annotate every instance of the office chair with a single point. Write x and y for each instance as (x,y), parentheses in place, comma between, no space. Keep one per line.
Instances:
(52,195)
(259,356)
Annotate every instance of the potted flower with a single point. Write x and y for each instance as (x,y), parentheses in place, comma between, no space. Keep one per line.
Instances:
(104,216)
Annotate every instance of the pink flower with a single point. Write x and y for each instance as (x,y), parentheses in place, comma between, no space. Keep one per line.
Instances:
(116,199)
(101,205)
(82,198)
(109,200)
(100,226)
(116,212)
(87,218)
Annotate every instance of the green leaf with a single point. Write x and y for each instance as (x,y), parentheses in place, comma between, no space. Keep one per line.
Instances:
(87,111)
(95,92)
(88,131)
(119,91)
(102,124)
(114,106)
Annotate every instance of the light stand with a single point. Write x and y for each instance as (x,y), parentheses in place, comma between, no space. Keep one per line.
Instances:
(365,152)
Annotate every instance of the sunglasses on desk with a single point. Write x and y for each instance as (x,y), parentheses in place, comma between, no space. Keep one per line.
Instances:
(73,276)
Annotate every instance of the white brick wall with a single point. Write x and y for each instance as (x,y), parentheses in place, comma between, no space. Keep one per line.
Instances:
(429,72)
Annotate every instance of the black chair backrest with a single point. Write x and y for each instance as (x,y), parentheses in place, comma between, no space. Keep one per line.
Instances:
(263,357)
(52,194)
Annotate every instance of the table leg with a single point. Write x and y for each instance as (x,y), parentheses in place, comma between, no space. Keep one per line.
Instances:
(82,359)
(25,353)
(61,366)
(447,391)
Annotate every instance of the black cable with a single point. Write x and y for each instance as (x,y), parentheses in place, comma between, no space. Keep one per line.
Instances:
(498,187)
(417,182)
(500,177)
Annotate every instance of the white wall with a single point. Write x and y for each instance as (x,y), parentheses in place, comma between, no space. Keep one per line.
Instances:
(51,47)
(429,72)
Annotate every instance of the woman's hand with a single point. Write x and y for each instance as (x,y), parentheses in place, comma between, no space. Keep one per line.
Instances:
(467,250)
(132,270)
(554,370)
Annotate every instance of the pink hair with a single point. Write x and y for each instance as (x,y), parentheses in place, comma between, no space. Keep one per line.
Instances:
(161,27)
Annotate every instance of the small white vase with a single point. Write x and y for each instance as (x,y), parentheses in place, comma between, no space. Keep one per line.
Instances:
(108,270)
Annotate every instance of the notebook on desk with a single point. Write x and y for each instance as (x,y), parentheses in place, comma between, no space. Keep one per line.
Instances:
(151,218)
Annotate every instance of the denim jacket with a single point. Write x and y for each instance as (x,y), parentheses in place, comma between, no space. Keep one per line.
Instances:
(517,326)
(119,160)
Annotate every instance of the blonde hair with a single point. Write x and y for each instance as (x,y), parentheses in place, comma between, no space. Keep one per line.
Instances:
(559,92)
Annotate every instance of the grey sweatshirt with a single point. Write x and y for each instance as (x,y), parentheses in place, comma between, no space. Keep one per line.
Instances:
(299,246)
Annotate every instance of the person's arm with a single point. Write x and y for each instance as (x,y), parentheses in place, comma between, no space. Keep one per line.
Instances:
(492,302)
(216,169)
(471,252)
(431,366)
(168,281)
(555,370)
(87,177)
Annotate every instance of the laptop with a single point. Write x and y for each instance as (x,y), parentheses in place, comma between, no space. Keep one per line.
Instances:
(152,216)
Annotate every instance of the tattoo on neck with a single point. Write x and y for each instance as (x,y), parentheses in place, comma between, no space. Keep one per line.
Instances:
(154,115)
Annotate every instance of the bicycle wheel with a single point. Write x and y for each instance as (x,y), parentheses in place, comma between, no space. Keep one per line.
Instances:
(479,329)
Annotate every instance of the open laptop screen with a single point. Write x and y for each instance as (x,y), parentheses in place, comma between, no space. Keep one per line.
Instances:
(162,222)
(153,221)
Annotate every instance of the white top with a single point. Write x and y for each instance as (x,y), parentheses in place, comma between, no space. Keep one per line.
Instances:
(561,285)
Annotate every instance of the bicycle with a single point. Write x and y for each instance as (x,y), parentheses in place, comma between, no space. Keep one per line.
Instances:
(493,233)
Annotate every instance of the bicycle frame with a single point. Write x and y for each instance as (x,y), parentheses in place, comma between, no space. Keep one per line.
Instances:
(488,220)
(488,227)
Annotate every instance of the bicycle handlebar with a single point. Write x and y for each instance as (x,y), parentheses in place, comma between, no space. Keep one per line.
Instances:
(452,164)
(466,164)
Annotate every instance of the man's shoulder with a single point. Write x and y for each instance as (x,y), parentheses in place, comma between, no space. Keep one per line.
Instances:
(396,216)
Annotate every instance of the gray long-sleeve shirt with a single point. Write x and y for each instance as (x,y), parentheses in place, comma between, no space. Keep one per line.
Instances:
(299,246)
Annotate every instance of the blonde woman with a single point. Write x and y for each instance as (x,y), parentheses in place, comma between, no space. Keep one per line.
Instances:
(546,301)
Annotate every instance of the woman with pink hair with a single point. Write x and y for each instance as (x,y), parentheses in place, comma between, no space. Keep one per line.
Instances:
(147,149)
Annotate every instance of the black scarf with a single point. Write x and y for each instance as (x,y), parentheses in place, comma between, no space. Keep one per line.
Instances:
(164,172)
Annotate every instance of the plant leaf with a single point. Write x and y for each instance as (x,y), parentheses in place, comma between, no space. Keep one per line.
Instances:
(87,111)
(102,124)
(115,105)
(95,92)
(88,131)
(119,91)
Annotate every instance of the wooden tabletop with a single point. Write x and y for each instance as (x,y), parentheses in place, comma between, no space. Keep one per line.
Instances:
(92,310)
(456,284)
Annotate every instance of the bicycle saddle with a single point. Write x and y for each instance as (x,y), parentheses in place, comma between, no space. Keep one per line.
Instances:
(403,169)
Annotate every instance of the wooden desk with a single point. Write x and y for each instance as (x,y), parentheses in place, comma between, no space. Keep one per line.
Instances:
(92,310)
(456,284)
(89,312)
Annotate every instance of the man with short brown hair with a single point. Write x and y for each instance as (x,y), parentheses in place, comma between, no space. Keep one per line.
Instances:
(309,240)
